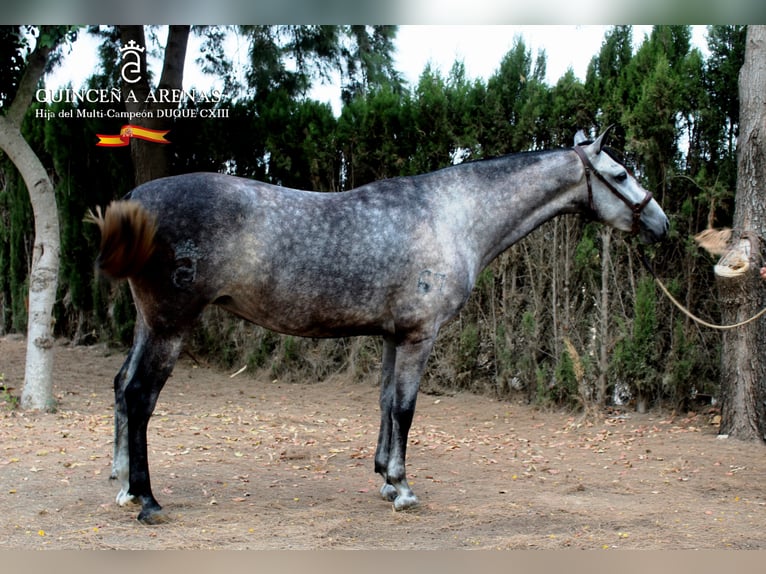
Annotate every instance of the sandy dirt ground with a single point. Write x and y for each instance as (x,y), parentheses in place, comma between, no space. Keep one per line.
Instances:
(252,463)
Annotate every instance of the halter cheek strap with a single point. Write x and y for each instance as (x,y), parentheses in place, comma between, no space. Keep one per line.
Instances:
(636,208)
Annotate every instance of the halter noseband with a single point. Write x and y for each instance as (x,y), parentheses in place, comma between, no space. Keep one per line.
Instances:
(635,208)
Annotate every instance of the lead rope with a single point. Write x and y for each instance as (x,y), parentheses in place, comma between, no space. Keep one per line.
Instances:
(683,309)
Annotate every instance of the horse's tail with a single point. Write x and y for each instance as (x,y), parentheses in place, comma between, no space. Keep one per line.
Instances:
(127,238)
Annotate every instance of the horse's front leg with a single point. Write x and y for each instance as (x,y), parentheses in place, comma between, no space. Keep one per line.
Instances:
(398,398)
(382,453)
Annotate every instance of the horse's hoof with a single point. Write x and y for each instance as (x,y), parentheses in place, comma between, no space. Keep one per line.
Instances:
(405,502)
(388,492)
(153,517)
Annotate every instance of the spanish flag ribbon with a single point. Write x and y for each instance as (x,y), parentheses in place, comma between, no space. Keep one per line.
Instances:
(130,131)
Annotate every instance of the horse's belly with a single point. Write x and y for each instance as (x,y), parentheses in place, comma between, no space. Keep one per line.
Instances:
(318,321)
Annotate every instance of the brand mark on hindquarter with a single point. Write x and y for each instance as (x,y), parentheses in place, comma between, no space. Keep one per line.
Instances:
(185,273)
(430,281)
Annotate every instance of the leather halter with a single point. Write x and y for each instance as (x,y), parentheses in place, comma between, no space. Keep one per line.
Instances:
(635,208)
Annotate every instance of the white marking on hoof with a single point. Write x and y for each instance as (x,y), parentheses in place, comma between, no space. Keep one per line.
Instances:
(388,492)
(405,501)
(124,498)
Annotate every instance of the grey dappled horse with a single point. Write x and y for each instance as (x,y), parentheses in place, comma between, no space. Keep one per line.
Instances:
(396,258)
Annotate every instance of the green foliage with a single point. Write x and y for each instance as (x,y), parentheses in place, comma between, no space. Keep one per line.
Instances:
(587,257)
(515,96)
(565,391)
(51,36)
(528,324)
(369,63)
(374,137)
(6,314)
(727,54)
(16,241)
(680,380)
(123,315)
(289,355)
(570,110)
(468,348)
(298,134)
(606,81)
(485,279)
(637,356)
(264,349)
(504,359)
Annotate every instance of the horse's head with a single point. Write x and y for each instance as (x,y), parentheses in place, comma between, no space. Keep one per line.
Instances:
(614,194)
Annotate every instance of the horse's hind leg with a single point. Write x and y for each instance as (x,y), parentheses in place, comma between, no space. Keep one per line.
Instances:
(401,380)
(120,456)
(136,389)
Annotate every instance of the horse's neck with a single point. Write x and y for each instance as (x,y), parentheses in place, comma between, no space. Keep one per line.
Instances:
(516,194)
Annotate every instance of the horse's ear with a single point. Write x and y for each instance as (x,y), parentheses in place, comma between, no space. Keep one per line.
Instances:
(580,137)
(600,140)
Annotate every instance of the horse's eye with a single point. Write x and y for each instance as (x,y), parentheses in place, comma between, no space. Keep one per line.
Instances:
(622,176)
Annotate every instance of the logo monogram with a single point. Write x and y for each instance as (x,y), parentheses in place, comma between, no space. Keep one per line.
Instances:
(131,69)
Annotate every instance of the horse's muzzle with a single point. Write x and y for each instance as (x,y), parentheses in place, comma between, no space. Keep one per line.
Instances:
(653,229)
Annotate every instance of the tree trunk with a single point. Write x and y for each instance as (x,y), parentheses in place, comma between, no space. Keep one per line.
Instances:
(743,359)
(150,159)
(43,280)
